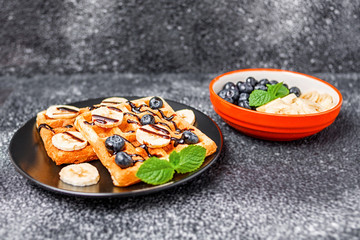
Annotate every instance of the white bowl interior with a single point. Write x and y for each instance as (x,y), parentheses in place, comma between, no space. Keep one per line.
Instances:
(304,83)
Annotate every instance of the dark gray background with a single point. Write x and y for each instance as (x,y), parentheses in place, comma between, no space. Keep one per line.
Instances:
(82,36)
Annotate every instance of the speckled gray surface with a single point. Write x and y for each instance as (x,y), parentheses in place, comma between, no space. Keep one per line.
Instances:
(82,36)
(305,189)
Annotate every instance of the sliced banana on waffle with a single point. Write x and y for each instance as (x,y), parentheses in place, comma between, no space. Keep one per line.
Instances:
(113,101)
(153,135)
(62,111)
(187,114)
(69,141)
(82,174)
(107,117)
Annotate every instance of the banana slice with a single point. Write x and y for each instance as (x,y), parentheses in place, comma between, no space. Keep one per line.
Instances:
(62,111)
(289,99)
(312,96)
(187,114)
(274,106)
(69,141)
(326,101)
(153,135)
(107,117)
(113,101)
(82,174)
(308,106)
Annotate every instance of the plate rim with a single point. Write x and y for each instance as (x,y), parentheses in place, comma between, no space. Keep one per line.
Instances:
(132,193)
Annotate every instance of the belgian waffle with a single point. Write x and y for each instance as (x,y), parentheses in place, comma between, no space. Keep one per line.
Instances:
(49,127)
(168,125)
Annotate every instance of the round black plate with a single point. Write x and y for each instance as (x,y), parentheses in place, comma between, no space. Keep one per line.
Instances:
(29,157)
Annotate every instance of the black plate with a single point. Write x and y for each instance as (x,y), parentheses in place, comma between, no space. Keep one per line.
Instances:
(29,157)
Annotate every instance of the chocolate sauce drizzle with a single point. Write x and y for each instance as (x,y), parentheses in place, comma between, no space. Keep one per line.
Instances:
(89,123)
(66,109)
(134,108)
(129,142)
(133,122)
(92,107)
(114,108)
(166,133)
(133,115)
(138,160)
(74,137)
(44,125)
(143,146)
(178,141)
(103,120)
(165,117)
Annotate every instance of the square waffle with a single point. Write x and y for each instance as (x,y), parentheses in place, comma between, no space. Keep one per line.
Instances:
(49,127)
(167,129)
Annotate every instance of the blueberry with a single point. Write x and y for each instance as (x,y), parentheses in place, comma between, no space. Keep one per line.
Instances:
(295,90)
(285,85)
(155,103)
(239,83)
(230,95)
(115,143)
(251,80)
(230,100)
(244,97)
(245,87)
(233,93)
(244,104)
(260,87)
(123,160)
(190,137)
(273,82)
(229,85)
(147,119)
(264,81)
(223,93)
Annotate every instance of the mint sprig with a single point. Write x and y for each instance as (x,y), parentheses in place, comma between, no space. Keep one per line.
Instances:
(260,97)
(190,159)
(157,171)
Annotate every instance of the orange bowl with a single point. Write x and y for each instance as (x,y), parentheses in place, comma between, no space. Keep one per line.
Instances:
(276,127)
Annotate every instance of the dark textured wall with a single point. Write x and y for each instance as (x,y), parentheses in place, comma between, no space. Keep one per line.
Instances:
(85,36)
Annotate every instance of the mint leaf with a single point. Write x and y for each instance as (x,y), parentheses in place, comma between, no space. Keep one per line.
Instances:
(278,90)
(174,158)
(158,171)
(155,171)
(259,97)
(273,89)
(191,159)
(282,92)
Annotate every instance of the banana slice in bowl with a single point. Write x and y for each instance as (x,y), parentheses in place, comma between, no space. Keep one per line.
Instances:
(82,174)
(62,111)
